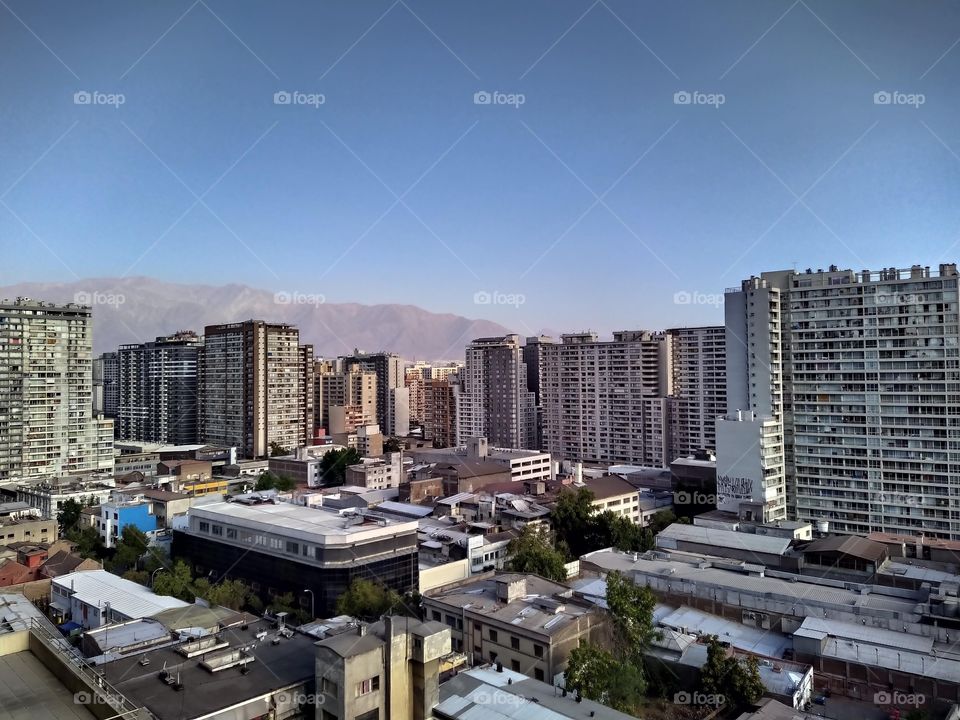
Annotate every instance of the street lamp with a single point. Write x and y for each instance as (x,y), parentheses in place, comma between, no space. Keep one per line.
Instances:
(313,615)
(153,575)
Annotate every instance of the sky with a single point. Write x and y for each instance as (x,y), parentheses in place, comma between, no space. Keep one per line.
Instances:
(557,165)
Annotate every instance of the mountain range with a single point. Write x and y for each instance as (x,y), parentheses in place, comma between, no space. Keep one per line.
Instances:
(139,309)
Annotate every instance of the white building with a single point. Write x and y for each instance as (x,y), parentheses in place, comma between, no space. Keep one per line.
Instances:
(861,370)
(525,465)
(93,598)
(48,495)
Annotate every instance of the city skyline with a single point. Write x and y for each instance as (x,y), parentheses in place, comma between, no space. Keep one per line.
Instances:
(761,136)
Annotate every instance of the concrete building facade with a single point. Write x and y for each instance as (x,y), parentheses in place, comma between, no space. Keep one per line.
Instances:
(47,425)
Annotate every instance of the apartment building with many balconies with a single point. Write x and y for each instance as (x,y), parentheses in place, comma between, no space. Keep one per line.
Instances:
(860,370)
(698,388)
(47,425)
(252,389)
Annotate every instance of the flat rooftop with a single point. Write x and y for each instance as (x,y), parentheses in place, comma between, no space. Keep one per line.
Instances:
(98,587)
(731,539)
(688,620)
(28,691)
(314,524)
(287,664)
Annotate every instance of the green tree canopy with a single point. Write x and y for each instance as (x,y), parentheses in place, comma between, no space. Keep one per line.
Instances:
(333,466)
(631,610)
(177,582)
(68,515)
(738,681)
(88,543)
(367,600)
(130,547)
(271,481)
(392,444)
(276,449)
(533,552)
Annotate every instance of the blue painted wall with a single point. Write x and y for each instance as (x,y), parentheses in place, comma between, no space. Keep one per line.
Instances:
(136,515)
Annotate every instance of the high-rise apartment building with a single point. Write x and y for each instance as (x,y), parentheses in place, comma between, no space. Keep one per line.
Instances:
(414,379)
(47,426)
(533,357)
(605,401)
(252,389)
(105,391)
(440,410)
(698,387)
(493,399)
(393,398)
(854,379)
(347,397)
(157,390)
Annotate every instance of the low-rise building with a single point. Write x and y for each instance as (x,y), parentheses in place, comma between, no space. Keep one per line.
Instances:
(96,597)
(521,464)
(48,494)
(377,472)
(279,547)
(389,670)
(116,514)
(616,495)
(21,523)
(527,623)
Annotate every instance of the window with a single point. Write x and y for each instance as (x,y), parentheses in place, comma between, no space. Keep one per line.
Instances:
(370,715)
(538,650)
(364,687)
(231,533)
(538,674)
(493,635)
(436,616)
(293,547)
(515,643)
(218,530)
(515,665)
(204,526)
(329,687)
(327,715)
(493,657)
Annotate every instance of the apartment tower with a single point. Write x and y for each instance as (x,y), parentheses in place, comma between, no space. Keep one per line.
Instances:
(47,426)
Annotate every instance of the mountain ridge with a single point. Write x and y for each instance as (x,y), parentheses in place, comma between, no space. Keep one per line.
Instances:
(140,308)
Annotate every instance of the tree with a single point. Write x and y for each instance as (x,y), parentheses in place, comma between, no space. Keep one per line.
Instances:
(88,543)
(333,466)
(367,600)
(591,671)
(573,523)
(270,481)
(532,552)
(68,515)
(176,582)
(738,682)
(276,449)
(612,530)
(131,546)
(631,610)
(392,444)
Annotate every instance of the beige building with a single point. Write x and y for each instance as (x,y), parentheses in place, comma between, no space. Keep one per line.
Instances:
(616,495)
(348,399)
(253,388)
(389,670)
(377,473)
(527,623)
(21,523)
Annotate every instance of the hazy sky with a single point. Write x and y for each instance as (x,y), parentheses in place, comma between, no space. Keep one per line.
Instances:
(589,200)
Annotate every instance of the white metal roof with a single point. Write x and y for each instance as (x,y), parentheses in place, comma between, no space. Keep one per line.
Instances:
(98,587)
(749,542)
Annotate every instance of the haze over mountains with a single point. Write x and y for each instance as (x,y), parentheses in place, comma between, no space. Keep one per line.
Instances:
(138,309)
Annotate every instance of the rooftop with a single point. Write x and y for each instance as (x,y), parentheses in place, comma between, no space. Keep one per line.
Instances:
(484,692)
(545,607)
(679,532)
(28,691)
(98,587)
(609,486)
(848,545)
(365,638)
(314,524)
(287,664)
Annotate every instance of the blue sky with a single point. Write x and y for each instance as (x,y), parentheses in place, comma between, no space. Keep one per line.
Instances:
(798,165)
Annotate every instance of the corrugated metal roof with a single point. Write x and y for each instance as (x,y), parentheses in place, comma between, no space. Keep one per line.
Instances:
(98,587)
(723,538)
